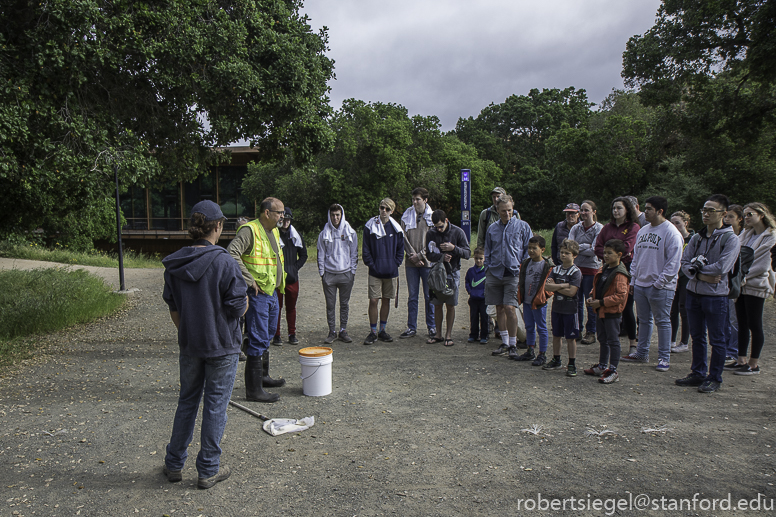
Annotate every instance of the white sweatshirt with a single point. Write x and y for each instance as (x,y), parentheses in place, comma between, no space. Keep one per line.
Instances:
(656,256)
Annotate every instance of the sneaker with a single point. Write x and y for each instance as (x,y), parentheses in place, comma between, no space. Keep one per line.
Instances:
(596,369)
(634,358)
(371,339)
(528,355)
(571,370)
(343,336)
(384,336)
(173,476)
(503,349)
(292,339)
(673,345)
(733,366)
(243,357)
(708,386)
(680,348)
(609,377)
(407,333)
(662,366)
(513,353)
(484,341)
(206,483)
(554,364)
(330,338)
(691,380)
(747,370)
(540,359)
(432,332)
(471,340)
(589,338)
(277,341)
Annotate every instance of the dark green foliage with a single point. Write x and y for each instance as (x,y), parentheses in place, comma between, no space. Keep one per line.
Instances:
(379,151)
(85,85)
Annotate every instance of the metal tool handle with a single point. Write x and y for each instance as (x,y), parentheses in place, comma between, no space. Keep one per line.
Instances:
(249,411)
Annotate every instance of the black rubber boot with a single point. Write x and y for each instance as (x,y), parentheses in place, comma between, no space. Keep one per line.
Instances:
(266,380)
(254,390)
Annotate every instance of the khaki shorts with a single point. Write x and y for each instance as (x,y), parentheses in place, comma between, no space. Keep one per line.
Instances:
(382,287)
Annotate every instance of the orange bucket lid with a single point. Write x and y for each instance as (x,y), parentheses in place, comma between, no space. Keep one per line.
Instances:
(315,351)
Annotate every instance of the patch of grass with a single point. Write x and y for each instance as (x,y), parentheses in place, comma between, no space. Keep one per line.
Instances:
(45,300)
(34,251)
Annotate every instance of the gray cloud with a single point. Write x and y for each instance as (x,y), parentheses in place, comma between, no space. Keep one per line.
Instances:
(452,58)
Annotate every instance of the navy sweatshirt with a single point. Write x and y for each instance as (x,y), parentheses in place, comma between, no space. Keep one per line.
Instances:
(383,256)
(475,282)
(205,287)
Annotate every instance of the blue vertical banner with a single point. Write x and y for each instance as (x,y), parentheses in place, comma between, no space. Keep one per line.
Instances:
(466,203)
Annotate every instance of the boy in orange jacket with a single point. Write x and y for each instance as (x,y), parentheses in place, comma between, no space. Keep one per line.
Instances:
(532,295)
(608,298)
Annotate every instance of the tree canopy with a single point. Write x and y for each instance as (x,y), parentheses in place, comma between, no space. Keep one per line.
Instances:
(149,86)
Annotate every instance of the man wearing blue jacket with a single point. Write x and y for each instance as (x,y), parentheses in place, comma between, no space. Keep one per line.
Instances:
(205,291)
(382,252)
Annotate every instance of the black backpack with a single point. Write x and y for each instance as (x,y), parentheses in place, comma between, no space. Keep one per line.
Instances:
(440,279)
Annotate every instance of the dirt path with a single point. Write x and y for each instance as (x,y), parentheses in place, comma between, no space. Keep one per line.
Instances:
(410,429)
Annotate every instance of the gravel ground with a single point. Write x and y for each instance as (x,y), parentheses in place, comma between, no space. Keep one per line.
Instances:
(410,428)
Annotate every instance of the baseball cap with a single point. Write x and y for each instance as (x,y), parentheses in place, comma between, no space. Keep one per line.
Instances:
(209,209)
(288,214)
(498,190)
(571,207)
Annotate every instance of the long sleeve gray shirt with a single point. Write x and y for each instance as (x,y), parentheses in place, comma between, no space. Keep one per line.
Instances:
(506,246)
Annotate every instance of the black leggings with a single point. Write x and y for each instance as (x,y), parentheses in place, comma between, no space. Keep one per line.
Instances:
(678,309)
(749,311)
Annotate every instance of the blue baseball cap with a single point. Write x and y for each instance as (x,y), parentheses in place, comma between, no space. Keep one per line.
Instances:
(209,209)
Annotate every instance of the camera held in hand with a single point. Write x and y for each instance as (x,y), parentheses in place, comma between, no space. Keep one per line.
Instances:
(697,264)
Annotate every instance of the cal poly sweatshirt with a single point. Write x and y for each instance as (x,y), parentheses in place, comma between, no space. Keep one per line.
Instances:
(656,256)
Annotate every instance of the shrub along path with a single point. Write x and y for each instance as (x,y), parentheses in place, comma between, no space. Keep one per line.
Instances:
(410,428)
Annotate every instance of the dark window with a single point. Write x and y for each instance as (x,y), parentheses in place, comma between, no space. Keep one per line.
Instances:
(233,202)
(166,208)
(133,207)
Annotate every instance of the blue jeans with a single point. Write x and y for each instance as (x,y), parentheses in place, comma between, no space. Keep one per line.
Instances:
(261,321)
(707,313)
(414,276)
(536,321)
(654,303)
(586,287)
(215,377)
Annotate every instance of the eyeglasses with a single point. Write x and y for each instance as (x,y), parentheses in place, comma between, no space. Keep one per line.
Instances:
(385,208)
(709,211)
(749,214)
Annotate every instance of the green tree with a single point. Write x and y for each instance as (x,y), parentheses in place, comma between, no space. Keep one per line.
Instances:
(150,86)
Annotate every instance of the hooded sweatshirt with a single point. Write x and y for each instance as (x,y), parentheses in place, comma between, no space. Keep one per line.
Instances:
(383,248)
(205,287)
(756,283)
(720,259)
(337,247)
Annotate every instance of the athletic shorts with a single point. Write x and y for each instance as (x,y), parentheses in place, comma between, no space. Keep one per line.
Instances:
(501,292)
(565,325)
(382,287)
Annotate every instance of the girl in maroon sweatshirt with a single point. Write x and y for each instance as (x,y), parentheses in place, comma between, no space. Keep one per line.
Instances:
(623,226)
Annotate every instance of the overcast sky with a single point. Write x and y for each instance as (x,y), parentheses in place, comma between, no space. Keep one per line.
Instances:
(452,58)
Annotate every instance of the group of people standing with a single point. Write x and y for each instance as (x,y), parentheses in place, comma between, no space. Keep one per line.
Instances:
(644,258)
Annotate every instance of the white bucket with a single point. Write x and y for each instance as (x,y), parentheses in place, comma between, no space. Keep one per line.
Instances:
(316,370)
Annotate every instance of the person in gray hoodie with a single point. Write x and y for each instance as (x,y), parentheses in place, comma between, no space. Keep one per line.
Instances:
(205,291)
(337,262)
(707,259)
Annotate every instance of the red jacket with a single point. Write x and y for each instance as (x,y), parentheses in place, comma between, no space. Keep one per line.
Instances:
(626,232)
(616,295)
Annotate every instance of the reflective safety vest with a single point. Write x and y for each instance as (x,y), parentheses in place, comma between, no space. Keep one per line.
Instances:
(262,262)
